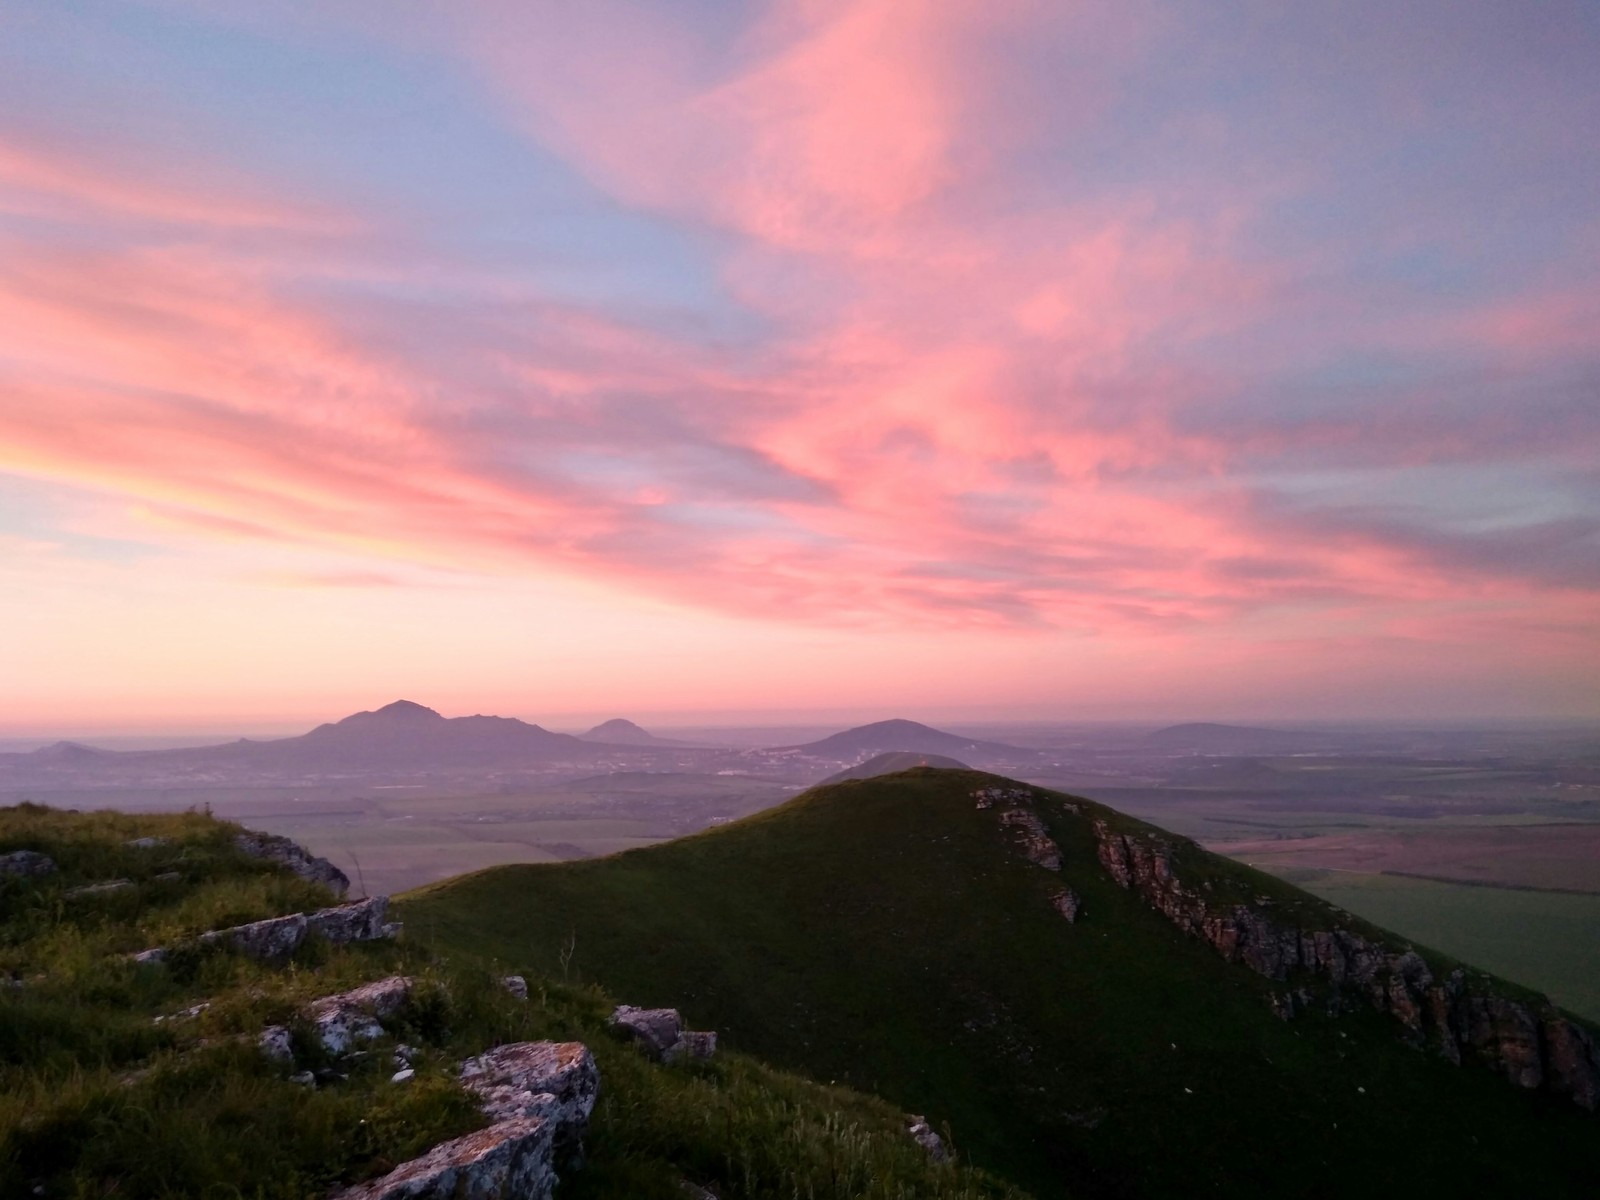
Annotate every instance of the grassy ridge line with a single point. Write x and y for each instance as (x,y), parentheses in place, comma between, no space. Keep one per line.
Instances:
(884,933)
(97,1100)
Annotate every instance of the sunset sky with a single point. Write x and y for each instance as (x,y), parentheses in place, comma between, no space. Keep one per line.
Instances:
(994,359)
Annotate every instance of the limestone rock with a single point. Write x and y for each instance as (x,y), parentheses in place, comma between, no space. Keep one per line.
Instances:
(516,985)
(276,937)
(557,1081)
(350,1017)
(510,1159)
(281,850)
(923,1134)
(91,890)
(1066,903)
(26,862)
(275,1043)
(1037,845)
(358,921)
(660,1031)
(146,958)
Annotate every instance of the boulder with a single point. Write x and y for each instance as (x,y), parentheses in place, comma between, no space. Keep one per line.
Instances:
(282,851)
(516,985)
(275,1043)
(557,1081)
(147,843)
(509,1159)
(661,1033)
(358,921)
(149,958)
(923,1135)
(26,862)
(347,1018)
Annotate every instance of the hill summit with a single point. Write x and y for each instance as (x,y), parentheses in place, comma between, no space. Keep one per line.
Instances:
(620,732)
(882,737)
(1095,1007)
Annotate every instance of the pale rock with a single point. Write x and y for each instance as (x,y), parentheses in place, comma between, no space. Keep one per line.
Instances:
(358,921)
(148,958)
(1066,903)
(510,1159)
(276,1044)
(343,1020)
(516,985)
(402,1075)
(281,850)
(26,862)
(558,1081)
(147,843)
(923,1134)
(90,890)
(304,1079)
(273,938)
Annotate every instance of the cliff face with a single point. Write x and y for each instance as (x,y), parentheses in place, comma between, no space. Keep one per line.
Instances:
(1532,1044)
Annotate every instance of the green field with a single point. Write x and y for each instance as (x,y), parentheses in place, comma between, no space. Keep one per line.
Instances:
(1546,940)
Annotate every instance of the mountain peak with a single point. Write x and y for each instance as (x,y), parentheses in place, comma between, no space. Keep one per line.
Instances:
(619,732)
(408,710)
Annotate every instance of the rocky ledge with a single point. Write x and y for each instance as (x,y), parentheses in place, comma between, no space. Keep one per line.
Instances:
(539,1095)
(278,849)
(1532,1043)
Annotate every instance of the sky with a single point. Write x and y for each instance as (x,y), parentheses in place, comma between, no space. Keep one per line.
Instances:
(690,359)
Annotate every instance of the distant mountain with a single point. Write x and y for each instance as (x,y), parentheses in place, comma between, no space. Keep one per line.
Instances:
(912,737)
(617,732)
(895,760)
(403,735)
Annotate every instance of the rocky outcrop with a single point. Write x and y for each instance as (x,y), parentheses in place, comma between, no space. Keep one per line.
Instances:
(342,1021)
(557,1081)
(511,1158)
(660,1031)
(281,850)
(27,863)
(1017,813)
(1531,1043)
(1066,902)
(923,1135)
(279,937)
(516,985)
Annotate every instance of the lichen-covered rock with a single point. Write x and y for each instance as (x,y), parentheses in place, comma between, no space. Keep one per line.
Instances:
(516,985)
(343,1020)
(91,890)
(694,1043)
(276,937)
(1066,902)
(281,850)
(275,1043)
(1037,845)
(26,862)
(660,1031)
(923,1135)
(558,1081)
(508,1159)
(656,1029)
(358,921)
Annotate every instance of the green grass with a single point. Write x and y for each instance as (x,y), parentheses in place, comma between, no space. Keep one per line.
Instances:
(881,934)
(99,1100)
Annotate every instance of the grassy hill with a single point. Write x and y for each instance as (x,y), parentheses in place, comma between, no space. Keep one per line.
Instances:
(892,763)
(885,933)
(134,1081)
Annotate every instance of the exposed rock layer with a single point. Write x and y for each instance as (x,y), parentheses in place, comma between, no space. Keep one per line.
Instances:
(660,1031)
(510,1159)
(281,850)
(1532,1044)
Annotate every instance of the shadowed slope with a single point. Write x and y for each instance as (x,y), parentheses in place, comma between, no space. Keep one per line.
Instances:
(889,933)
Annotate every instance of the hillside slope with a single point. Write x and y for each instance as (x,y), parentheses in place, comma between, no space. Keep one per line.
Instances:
(893,934)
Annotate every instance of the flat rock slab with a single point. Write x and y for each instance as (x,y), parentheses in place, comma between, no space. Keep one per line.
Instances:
(555,1080)
(26,862)
(90,890)
(509,1159)
(279,937)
